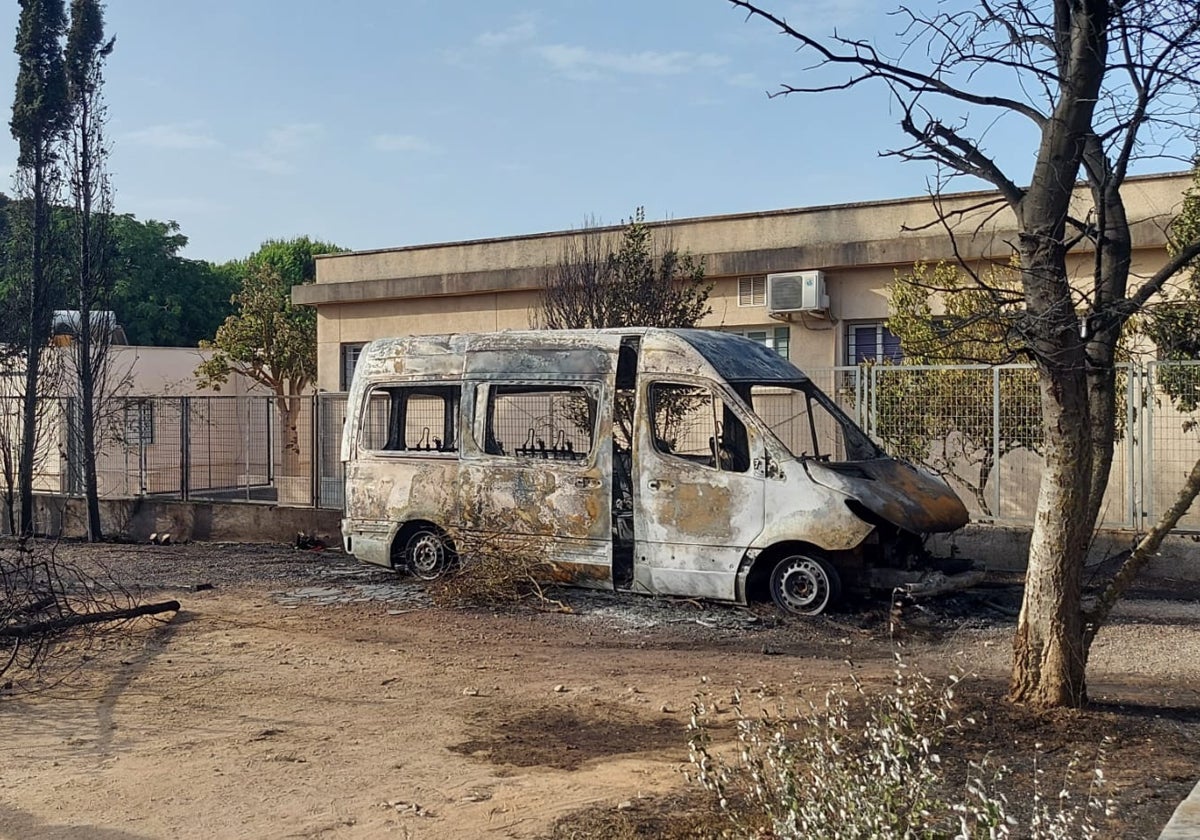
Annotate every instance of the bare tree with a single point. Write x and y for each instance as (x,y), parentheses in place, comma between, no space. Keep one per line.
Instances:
(1100,82)
(91,196)
(605,279)
(48,430)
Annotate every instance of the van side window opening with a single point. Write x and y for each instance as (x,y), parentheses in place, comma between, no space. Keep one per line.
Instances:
(808,423)
(694,424)
(413,419)
(552,422)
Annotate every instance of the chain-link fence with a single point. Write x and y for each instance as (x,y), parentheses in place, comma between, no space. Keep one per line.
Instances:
(979,427)
(283,450)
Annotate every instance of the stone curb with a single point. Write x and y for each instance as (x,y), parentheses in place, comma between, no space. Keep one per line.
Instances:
(1185,822)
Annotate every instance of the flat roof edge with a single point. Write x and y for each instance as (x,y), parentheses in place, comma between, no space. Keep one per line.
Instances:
(722,217)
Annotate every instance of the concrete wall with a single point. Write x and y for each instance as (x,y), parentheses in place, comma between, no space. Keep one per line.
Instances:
(1003,548)
(1000,548)
(137,519)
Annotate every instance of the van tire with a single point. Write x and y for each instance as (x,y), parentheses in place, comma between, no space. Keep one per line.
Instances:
(805,584)
(427,553)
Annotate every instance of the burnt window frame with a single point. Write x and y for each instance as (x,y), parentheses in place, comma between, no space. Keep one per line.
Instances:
(490,447)
(399,394)
(721,458)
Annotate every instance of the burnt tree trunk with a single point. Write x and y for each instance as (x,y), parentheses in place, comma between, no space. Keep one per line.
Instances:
(39,330)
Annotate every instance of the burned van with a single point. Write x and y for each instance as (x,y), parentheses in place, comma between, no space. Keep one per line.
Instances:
(660,461)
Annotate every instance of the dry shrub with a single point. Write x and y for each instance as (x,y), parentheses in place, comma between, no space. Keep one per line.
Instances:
(866,764)
(497,570)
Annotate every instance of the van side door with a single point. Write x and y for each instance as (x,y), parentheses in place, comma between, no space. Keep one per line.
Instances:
(699,505)
(538,478)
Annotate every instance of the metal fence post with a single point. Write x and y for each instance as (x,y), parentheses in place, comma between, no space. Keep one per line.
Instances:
(273,417)
(872,405)
(996,443)
(246,444)
(1148,477)
(185,447)
(1131,393)
(142,454)
(314,454)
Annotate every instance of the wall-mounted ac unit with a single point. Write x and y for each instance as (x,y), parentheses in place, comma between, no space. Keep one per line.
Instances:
(796,291)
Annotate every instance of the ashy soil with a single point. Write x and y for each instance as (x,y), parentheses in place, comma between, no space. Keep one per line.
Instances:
(299,694)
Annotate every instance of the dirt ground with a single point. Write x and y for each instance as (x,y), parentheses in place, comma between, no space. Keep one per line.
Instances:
(300,694)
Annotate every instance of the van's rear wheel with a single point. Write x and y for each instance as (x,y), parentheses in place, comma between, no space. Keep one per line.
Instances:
(805,584)
(427,553)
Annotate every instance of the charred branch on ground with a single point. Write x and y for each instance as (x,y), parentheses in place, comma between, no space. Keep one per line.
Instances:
(46,602)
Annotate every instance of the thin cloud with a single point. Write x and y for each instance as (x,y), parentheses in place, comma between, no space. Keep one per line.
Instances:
(744,80)
(176,136)
(173,207)
(276,154)
(524,30)
(586,63)
(825,14)
(403,143)
(261,161)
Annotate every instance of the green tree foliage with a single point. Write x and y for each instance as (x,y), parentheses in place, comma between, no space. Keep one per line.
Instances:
(944,419)
(1174,326)
(40,108)
(162,298)
(267,338)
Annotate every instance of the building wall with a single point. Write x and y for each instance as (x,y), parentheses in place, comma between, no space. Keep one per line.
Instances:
(493,284)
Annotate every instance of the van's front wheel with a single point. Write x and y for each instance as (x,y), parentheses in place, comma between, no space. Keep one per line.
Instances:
(427,553)
(804,584)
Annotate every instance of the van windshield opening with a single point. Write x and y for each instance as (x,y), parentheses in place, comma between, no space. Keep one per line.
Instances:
(808,422)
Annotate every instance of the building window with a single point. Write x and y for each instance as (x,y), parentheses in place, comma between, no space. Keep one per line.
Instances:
(350,354)
(872,342)
(776,338)
(752,291)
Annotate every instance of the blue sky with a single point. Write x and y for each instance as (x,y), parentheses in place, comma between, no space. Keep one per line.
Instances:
(379,123)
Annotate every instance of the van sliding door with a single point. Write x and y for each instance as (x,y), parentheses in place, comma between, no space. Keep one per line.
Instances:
(539,482)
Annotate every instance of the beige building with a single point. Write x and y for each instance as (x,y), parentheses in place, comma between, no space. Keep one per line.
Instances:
(810,281)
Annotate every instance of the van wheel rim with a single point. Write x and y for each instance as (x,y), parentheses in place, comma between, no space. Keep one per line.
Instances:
(802,586)
(426,556)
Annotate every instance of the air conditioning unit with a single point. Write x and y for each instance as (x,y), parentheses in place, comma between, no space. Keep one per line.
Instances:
(796,291)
